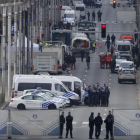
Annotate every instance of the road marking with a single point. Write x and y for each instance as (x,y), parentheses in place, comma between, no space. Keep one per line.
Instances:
(86,71)
(85,123)
(103,119)
(85,75)
(109,87)
(109,79)
(110,75)
(104,114)
(109,83)
(83,79)
(71,109)
(74,122)
(105,109)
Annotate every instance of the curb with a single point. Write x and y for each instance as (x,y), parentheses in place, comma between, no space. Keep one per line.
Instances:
(138,88)
(3,106)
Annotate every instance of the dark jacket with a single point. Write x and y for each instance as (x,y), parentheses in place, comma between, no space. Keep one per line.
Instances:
(73,59)
(62,119)
(69,120)
(108,37)
(107,43)
(77,90)
(113,38)
(109,121)
(82,53)
(107,91)
(98,121)
(99,13)
(68,60)
(93,14)
(88,59)
(91,121)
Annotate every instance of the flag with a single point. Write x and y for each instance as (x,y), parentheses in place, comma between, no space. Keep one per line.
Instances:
(99,44)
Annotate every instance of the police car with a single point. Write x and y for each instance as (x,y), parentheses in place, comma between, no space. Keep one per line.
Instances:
(126,64)
(127,74)
(35,101)
(66,101)
(118,61)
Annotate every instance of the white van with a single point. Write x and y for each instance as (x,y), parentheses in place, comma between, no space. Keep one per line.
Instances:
(66,8)
(82,8)
(124,47)
(71,82)
(48,83)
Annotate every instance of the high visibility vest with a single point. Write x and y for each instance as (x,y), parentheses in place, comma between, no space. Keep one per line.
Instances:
(94,44)
(40,43)
(47,44)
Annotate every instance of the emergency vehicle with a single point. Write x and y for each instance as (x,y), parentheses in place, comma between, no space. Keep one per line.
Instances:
(128,37)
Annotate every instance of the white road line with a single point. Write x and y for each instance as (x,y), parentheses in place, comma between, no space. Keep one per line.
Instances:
(110,75)
(109,79)
(105,109)
(104,114)
(86,71)
(85,75)
(83,79)
(85,123)
(109,83)
(71,109)
(109,87)
(74,122)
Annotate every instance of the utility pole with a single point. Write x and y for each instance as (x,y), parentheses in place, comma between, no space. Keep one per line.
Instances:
(9,51)
(32,24)
(3,54)
(36,25)
(15,37)
(23,42)
(39,19)
(20,28)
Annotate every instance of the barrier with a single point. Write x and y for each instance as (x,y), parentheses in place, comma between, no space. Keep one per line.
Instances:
(29,123)
(126,122)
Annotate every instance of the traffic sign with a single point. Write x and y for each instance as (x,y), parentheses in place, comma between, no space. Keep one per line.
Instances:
(12,29)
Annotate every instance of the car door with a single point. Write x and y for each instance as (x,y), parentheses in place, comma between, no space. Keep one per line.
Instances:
(38,101)
(28,101)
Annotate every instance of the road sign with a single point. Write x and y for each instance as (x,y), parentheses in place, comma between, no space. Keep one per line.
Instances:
(34,56)
(53,57)
(12,29)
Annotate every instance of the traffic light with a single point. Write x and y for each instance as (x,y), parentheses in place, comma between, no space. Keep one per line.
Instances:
(38,40)
(60,6)
(103,30)
(114,3)
(50,22)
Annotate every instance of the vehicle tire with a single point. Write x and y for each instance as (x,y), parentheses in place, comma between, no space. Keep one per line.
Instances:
(21,107)
(134,81)
(52,106)
(119,81)
(86,101)
(71,102)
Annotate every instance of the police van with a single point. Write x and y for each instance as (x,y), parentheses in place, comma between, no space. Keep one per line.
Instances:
(45,82)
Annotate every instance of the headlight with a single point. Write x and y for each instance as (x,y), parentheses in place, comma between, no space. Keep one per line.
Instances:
(76,96)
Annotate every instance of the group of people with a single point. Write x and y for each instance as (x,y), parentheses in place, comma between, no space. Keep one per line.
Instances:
(97,122)
(89,3)
(99,14)
(98,96)
(110,43)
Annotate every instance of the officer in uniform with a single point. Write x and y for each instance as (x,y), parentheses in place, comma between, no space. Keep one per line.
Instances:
(103,96)
(62,122)
(98,91)
(91,125)
(107,95)
(90,94)
(94,102)
(93,46)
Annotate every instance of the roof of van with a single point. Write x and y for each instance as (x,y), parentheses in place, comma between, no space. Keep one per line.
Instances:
(69,11)
(123,42)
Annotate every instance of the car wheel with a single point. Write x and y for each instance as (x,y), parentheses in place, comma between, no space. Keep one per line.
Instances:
(134,81)
(86,101)
(21,107)
(71,102)
(119,81)
(52,106)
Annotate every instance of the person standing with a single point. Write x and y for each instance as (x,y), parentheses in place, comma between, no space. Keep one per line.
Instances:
(82,54)
(108,45)
(90,93)
(109,121)
(108,37)
(62,122)
(69,120)
(113,38)
(107,91)
(91,125)
(88,61)
(135,35)
(98,123)
(93,15)
(93,46)
(77,90)
(88,14)
(99,15)
(73,62)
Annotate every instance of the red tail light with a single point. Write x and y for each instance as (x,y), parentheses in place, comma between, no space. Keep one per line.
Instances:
(134,73)
(11,100)
(15,91)
(121,73)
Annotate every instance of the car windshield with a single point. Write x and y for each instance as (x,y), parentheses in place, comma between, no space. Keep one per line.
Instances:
(88,24)
(118,61)
(123,47)
(127,72)
(69,16)
(126,65)
(80,8)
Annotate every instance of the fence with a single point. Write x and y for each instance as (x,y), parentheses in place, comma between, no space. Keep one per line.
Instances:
(126,122)
(29,123)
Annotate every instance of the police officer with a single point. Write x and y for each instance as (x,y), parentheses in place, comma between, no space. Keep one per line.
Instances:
(82,54)
(98,91)
(94,100)
(90,93)
(93,46)
(103,92)
(77,90)
(73,60)
(113,39)
(88,61)
(108,37)
(107,95)
(108,45)
(99,15)
(93,15)
(91,125)
(88,14)
(98,123)
(109,121)
(113,65)
(62,122)
(69,120)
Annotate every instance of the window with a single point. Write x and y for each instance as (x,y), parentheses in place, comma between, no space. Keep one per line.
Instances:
(25,86)
(69,15)
(60,88)
(67,84)
(127,72)
(77,84)
(28,97)
(80,8)
(123,48)
(38,98)
(126,65)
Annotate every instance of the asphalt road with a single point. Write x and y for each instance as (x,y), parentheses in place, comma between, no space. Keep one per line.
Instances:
(123,96)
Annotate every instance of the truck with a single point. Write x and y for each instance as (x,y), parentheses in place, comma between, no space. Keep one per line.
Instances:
(79,41)
(45,61)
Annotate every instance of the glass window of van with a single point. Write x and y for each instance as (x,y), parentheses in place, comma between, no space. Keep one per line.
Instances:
(123,47)
(60,88)
(28,97)
(77,84)
(69,15)
(68,84)
(80,8)
(25,86)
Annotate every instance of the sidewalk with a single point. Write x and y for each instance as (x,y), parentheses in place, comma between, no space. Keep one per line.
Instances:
(138,86)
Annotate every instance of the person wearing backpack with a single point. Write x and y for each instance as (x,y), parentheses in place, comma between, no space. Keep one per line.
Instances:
(98,123)
(109,121)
